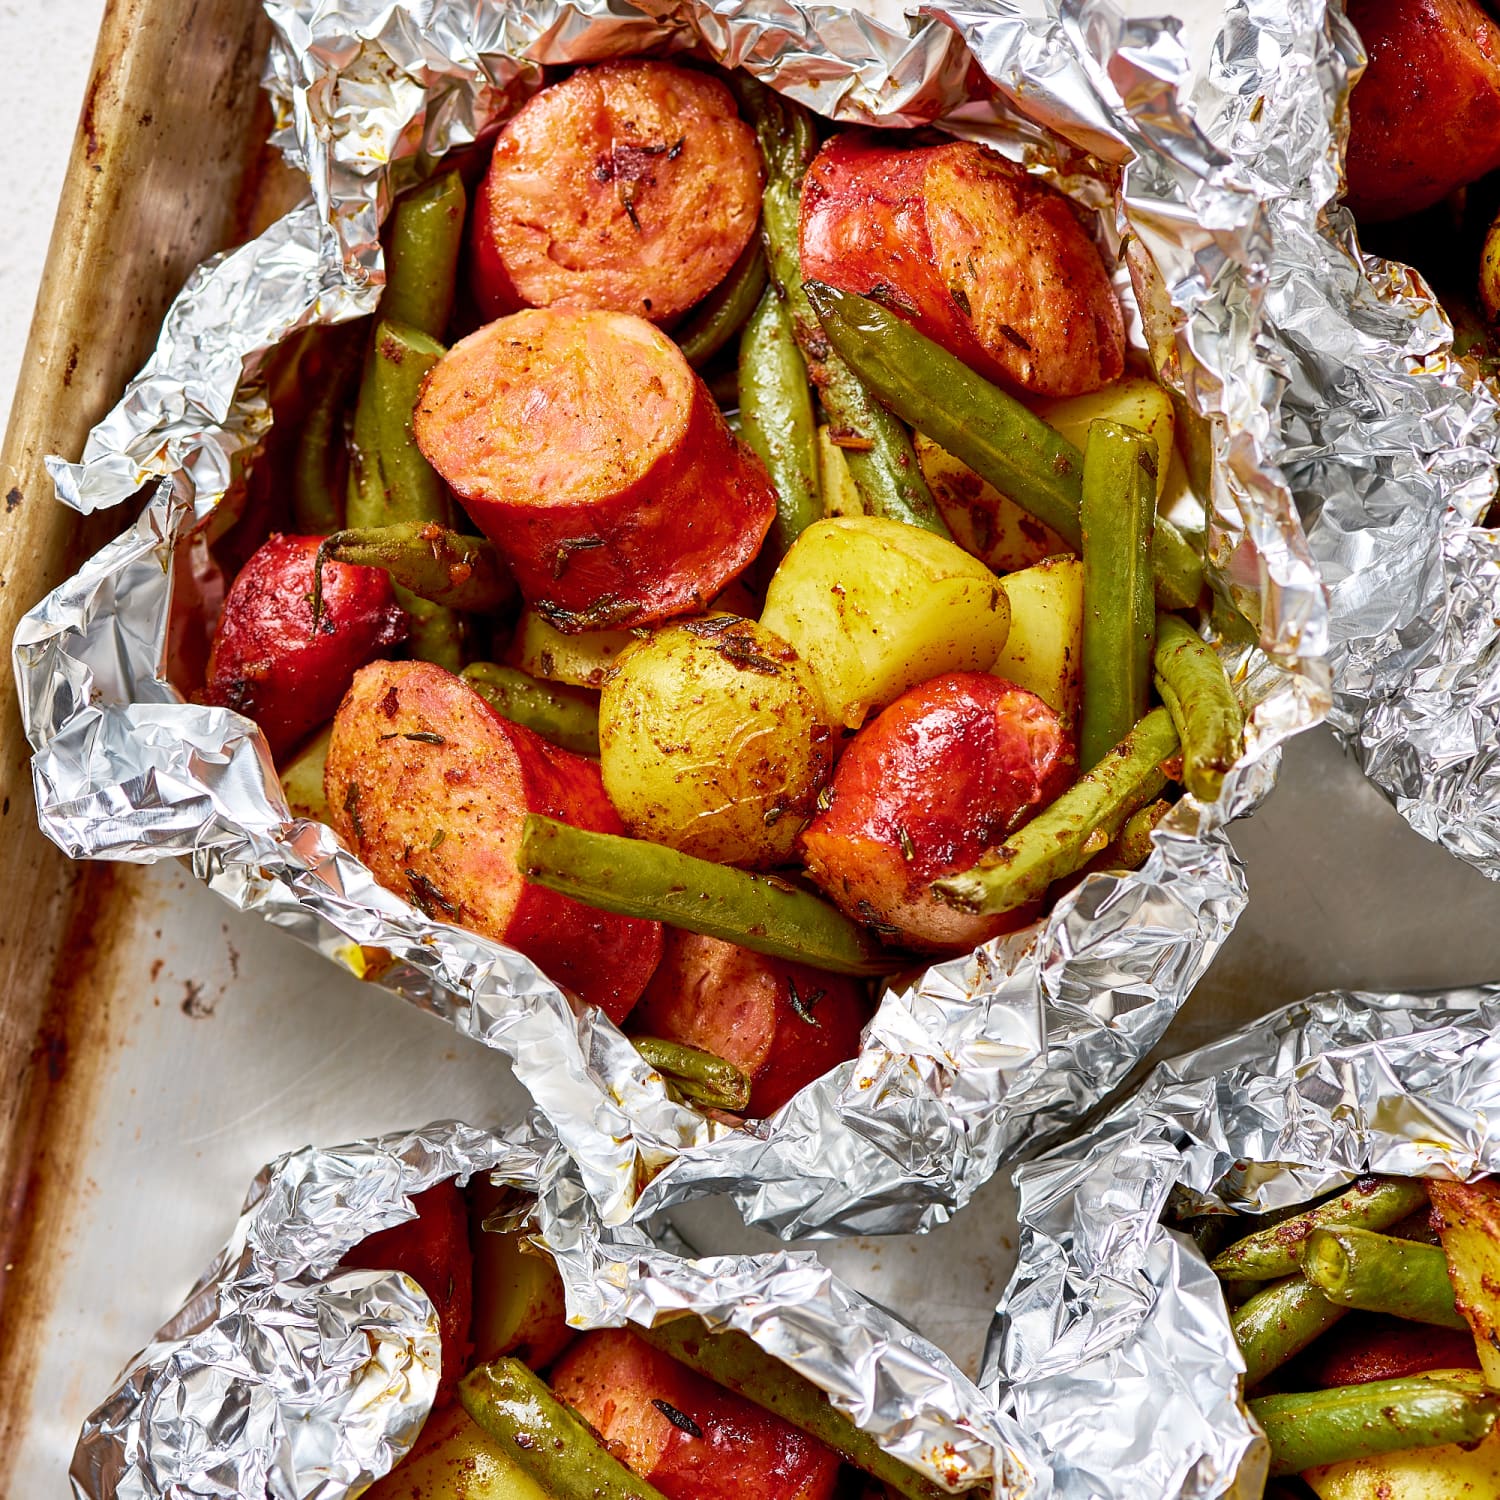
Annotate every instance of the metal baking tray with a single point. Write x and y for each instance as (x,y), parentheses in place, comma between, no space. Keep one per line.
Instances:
(157,1047)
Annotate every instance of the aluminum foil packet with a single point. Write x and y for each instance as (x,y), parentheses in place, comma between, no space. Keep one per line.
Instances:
(286,1375)
(1111,1346)
(1394,478)
(975,1058)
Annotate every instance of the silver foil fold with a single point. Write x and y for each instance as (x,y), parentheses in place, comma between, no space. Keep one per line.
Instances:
(1111,1346)
(976,1058)
(285,1375)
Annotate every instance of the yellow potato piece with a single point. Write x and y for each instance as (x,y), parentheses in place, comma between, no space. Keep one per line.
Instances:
(1469,1226)
(984,522)
(712,741)
(1444,1473)
(1133,400)
(454,1460)
(583,660)
(1041,652)
(875,607)
(840,496)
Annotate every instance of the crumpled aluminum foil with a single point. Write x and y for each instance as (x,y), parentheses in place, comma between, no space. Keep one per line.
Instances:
(977,1057)
(284,1375)
(1112,1346)
(1393,476)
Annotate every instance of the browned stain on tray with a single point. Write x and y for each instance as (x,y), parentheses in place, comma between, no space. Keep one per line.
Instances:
(167,167)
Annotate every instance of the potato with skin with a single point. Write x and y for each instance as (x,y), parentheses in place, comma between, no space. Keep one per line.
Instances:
(583,660)
(429,786)
(1133,400)
(712,741)
(1468,1216)
(1041,653)
(518,1296)
(875,607)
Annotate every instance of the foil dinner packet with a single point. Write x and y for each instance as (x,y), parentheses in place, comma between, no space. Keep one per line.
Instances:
(1111,1346)
(1192,171)
(286,1374)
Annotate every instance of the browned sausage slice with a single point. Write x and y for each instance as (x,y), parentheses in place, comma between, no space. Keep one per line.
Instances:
(630,186)
(586,448)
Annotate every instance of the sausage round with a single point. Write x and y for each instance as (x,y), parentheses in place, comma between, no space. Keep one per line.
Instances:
(429,786)
(631,186)
(950,769)
(619,1383)
(272,662)
(588,450)
(984,258)
(781,1024)
(1425,117)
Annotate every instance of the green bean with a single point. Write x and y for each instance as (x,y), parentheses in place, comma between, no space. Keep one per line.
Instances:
(881,458)
(536,1431)
(390,480)
(564,715)
(421,263)
(1371,1203)
(1377,1273)
(701,1076)
(1116,515)
(1314,1428)
(1063,837)
(302,779)
(736,1361)
(1192,682)
(430,561)
(320,463)
(640,879)
(1133,846)
(776,419)
(990,431)
(1278,1322)
(722,313)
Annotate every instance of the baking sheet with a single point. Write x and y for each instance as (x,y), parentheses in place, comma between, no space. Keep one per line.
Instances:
(181,984)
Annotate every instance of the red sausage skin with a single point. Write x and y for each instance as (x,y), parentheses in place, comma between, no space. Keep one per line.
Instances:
(1372,1346)
(1425,117)
(631,186)
(616,1379)
(739,1005)
(985,259)
(592,455)
(429,786)
(950,769)
(268,660)
(433,1249)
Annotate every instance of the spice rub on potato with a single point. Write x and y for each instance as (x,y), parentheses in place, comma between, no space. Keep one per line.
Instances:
(586,448)
(690,1438)
(712,741)
(429,786)
(783,1025)
(273,662)
(950,769)
(630,186)
(986,260)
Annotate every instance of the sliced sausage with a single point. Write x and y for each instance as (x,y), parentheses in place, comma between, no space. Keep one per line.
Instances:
(433,1249)
(950,769)
(781,1024)
(271,662)
(1374,1346)
(587,449)
(631,186)
(709,1444)
(429,786)
(984,258)
(1425,117)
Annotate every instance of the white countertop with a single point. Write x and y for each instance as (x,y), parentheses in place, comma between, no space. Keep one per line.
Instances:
(42,105)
